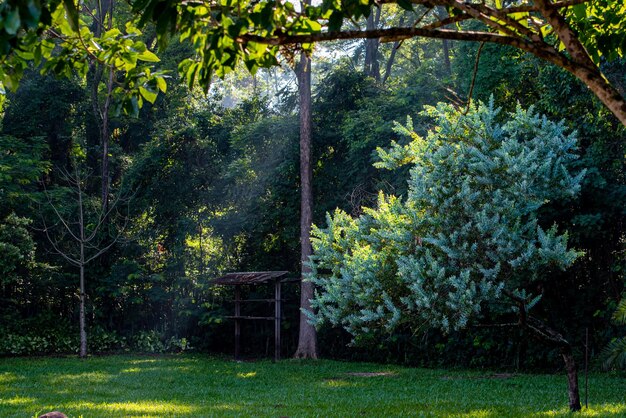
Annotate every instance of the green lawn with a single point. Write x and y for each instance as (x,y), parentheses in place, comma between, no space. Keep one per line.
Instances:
(198,386)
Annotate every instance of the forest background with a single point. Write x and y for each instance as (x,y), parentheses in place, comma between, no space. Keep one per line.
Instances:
(206,184)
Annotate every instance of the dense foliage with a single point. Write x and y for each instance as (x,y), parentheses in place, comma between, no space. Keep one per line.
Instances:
(214,186)
(467,229)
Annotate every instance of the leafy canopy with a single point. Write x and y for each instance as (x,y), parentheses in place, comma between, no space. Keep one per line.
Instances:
(468,228)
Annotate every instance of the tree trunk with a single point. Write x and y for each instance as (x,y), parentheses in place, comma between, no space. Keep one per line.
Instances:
(83,332)
(105,136)
(392,55)
(544,333)
(307,338)
(371,65)
(572,379)
(442,14)
(446,57)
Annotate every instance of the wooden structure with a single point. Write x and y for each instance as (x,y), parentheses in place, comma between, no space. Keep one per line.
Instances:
(256,278)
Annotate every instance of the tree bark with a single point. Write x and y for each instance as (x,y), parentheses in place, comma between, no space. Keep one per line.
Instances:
(83,332)
(81,226)
(371,64)
(572,378)
(544,333)
(392,55)
(307,338)
(446,57)
(547,334)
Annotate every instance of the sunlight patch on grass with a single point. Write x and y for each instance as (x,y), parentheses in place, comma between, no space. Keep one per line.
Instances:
(227,407)
(337,383)
(131,370)
(246,375)
(604,410)
(137,407)
(17,400)
(142,361)
(7,378)
(479,413)
(88,377)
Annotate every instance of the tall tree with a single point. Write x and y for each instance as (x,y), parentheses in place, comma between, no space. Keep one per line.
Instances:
(468,233)
(307,337)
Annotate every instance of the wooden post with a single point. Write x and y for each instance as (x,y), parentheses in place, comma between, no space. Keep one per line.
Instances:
(237,319)
(277,318)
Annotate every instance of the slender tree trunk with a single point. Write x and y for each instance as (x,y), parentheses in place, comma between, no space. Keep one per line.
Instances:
(83,332)
(307,338)
(572,378)
(442,13)
(446,57)
(82,241)
(392,55)
(547,334)
(105,136)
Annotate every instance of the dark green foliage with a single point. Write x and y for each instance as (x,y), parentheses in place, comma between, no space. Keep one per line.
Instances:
(216,189)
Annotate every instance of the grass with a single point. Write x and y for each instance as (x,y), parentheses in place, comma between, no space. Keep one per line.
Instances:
(198,386)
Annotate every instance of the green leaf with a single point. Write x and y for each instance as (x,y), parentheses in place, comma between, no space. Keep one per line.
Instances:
(161,84)
(148,56)
(147,94)
(580,11)
(72,13)
(12,22)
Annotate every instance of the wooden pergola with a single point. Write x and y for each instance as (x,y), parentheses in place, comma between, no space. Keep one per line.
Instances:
(256,278)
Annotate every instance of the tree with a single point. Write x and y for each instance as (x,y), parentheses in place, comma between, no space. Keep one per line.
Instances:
(572,34)
(468,233)
(78,237)
(307,338)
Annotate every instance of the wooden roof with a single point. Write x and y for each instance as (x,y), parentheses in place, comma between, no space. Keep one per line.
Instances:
(250,277)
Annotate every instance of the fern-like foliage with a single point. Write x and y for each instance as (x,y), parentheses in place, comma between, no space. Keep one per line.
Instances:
(620,314)
(614,354)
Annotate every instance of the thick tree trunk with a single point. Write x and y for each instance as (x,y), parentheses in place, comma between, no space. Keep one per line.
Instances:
(307,338)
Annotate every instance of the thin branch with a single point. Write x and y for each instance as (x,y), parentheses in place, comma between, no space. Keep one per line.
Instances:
(448,21)
(59,216)
(471,89)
